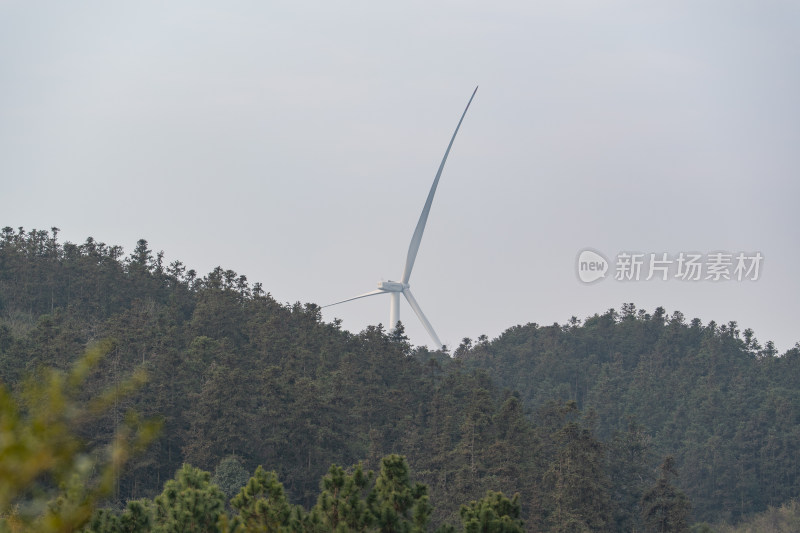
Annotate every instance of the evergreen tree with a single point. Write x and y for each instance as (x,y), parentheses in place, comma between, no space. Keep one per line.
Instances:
(346,502)
(494,513)
(230,476)
(630,472)
(665,509)
(398,506)
(262,506)
(136,518)
(577,485)
(189,503)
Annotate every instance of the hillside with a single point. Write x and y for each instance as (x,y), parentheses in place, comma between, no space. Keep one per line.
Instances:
(576,418)
(724,406)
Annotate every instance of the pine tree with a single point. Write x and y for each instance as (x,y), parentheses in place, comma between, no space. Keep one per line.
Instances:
(576,482)
(263,506)
(494,513)
(399,507)
(189,503)
(230,475)
(346,502)
(665,509)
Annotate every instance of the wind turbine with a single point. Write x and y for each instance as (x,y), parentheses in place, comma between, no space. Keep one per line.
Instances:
(396,288)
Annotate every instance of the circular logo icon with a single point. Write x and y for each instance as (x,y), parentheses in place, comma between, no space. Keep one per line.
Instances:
(591,266)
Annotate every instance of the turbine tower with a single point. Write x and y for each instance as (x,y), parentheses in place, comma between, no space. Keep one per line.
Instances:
(396,288)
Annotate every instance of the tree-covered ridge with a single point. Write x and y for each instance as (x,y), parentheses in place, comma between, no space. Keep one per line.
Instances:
(50,481)
(575,418)
(726,407)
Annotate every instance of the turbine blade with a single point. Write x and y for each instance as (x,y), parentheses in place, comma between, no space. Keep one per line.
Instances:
(415,306)
(377,291)
(423,218)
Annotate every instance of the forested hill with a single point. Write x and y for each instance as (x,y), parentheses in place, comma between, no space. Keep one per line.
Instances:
(576,417)
(727,408)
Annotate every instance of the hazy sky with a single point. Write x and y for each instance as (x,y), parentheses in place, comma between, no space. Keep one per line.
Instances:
(295,143)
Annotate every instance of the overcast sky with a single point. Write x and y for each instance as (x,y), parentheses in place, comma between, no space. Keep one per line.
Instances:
(295,143)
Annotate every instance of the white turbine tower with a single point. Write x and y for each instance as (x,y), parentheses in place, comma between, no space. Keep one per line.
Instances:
(395,288)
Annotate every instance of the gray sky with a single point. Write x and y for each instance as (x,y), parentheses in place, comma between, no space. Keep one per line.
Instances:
(295,142)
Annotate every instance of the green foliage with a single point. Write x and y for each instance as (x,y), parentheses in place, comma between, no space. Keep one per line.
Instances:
(262,505)
(357,501)
(346,503)
(783,519)
(49,479)
(494,513)
(629,465)
(136,518)
(399,507)
(230,475)
(665,509)
(189,503)
(575,483)
(725,408)
(352,501)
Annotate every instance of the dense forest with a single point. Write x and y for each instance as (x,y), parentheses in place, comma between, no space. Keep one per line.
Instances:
(594,423)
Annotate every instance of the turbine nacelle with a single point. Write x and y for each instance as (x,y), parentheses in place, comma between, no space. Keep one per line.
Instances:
(392,286)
